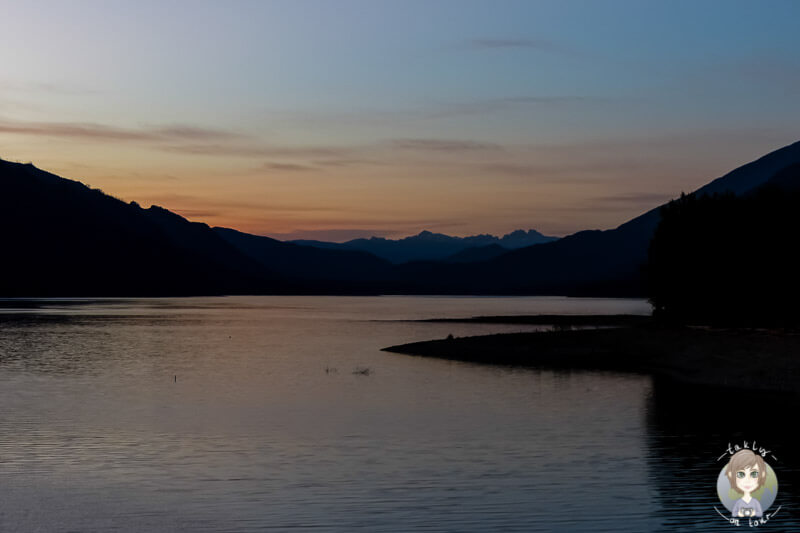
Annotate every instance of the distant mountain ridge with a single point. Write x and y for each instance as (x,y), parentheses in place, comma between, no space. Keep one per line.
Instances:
(429,246)
(62,238)
(590,262)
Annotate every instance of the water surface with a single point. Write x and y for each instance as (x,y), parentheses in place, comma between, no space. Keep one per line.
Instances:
(245,414)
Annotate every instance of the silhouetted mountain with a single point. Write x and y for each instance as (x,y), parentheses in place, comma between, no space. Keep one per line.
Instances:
(476,253)
(62,238)
(521,238)
(588,262)
(787,180)
(306,262)
(729,260)
(429,246)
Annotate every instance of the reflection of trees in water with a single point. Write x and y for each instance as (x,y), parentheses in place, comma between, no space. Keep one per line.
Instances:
(688,428)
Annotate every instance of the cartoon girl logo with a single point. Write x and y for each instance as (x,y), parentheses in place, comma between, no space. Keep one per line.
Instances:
(747,485)
(746,473)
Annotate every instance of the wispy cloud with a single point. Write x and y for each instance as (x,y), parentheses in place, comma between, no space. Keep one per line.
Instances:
(346,163)
(628,200)
(560,166)
(287,167)
(491,105)
(257,150)
(102,132)
(199,214)
(636,199)
(329,156)
(625,205)
(443,145)
(194,133)
(426,112)
(184,203)
(78,130)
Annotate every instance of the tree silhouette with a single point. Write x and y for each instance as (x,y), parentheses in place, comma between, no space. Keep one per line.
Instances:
(729,260)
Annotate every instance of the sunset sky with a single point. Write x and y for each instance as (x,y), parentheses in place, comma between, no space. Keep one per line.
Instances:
(340,118)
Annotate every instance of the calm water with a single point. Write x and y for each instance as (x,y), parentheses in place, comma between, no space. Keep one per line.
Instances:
(268,427)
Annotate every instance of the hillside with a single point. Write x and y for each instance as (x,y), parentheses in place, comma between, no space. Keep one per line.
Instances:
(62,238)
(592,262)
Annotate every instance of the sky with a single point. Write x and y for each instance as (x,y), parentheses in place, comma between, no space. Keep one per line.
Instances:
(337,119)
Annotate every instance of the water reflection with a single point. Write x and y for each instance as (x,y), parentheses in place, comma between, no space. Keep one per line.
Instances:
(254,433)
(83,343)
(690,427)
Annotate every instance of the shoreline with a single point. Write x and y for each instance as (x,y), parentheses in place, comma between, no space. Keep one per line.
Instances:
(744,359)
(553,320)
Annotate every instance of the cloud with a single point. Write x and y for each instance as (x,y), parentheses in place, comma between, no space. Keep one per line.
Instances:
(328,156)
(511,169)
(425,112)
(195,214)
(344,163)
(85,130)
(290,167)
(636,199)
(78,130)
(443,145)
(194,133)
(252,150)
(188,139)
(184,202)
(478,107)
(573,167)
(312,165)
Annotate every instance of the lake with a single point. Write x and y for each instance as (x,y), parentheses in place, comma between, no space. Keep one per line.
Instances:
(281,413)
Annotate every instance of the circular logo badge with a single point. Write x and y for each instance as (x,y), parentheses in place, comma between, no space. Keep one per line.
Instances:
(747,485)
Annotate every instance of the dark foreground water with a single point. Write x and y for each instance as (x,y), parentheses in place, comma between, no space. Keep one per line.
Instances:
(281,413)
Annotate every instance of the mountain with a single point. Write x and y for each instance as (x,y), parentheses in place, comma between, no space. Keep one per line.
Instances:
(429,246)
(729,260)
(476,253)
(309,264)
(62,238)
(787,179)
(592,262)
(521,238)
